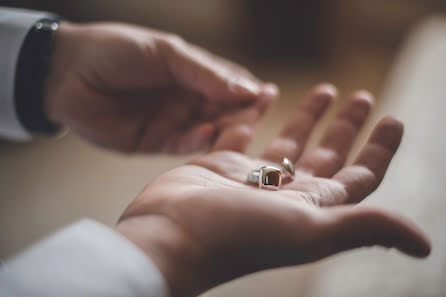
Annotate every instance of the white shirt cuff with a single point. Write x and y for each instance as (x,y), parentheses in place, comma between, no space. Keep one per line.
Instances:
(14,25)
(85,259)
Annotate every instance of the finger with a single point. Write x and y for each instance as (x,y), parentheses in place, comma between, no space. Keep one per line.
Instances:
(198,137)
(367,172)
(335,146)
(235,138)
(352,227)
(170,117)
(214,77)
(239,129)
(291,141)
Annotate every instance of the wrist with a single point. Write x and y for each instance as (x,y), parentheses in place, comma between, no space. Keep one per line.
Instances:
(30,79)
(64,49)
(176,254)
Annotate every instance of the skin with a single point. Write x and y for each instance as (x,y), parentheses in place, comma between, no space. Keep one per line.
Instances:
(203,225)
(132,89)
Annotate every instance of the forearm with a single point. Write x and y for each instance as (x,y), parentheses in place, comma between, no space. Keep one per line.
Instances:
(84,259)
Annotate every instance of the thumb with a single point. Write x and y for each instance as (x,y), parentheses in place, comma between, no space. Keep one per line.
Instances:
(212,76)
(353,227)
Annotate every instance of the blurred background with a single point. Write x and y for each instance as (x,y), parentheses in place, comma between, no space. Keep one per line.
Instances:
(396,49)
(295,42)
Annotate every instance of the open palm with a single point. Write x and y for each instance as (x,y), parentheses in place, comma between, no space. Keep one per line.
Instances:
(203,224)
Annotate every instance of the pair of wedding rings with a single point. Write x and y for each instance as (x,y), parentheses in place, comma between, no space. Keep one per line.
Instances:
(270,177)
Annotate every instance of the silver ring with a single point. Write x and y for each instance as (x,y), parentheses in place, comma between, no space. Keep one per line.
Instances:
(267,177)
(289,168)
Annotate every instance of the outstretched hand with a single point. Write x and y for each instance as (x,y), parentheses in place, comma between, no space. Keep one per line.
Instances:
(203,224)
(133,89)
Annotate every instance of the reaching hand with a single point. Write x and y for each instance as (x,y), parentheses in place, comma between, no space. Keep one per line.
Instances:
(133,89)
(203,224)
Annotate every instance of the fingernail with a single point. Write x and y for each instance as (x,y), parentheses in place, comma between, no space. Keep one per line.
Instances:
(327,88)
(364,95)
(246,86)
(270,90)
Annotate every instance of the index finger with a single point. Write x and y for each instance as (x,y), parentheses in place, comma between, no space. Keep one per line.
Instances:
(239,128)
(214,77)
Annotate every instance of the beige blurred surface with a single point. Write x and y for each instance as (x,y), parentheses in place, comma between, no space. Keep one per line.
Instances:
(414,186)
(47,184)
